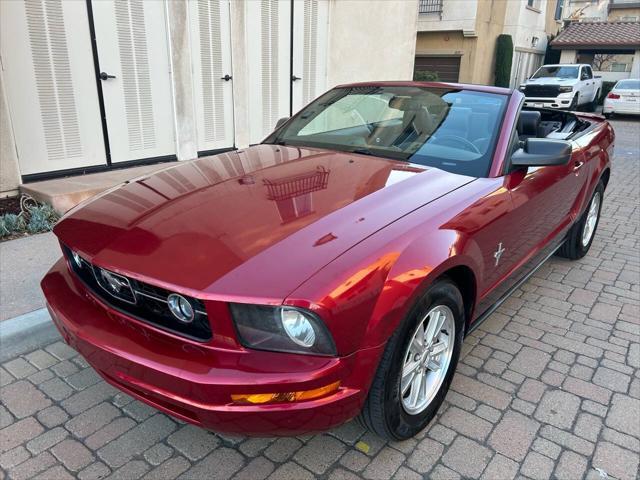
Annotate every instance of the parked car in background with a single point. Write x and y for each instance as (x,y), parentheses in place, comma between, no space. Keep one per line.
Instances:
(566,86)
(333,270)
(623,98)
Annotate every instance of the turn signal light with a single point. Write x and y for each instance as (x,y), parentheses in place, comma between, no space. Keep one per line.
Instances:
(615,96)
(258,398)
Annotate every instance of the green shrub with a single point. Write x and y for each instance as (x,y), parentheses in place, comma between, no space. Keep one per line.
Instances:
(13,223)
(504,57)
(42,219)
(425,76)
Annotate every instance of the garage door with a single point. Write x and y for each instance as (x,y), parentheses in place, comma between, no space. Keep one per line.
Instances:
(446,68)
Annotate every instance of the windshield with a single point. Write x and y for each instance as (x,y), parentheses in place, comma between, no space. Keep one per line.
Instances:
(557,72)
(452,129)
(628,85)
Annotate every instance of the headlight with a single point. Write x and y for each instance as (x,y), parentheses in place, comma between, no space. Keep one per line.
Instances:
(566,89)
(522,87)
(281,329)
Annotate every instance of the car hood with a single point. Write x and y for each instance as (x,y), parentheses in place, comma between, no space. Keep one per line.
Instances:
(551,81)
(252,223)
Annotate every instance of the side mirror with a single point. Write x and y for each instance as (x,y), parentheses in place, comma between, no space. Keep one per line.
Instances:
(281,122)
(542,152)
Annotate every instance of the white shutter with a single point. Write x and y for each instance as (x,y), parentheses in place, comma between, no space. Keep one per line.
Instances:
(310,36)
(269,43)
(132,41)
(211,57)
(51,85)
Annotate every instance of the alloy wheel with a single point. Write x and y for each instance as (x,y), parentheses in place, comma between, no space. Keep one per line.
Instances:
(427,358)
(591,220)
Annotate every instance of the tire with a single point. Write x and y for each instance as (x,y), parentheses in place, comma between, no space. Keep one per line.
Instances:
(575,246)
(608,115)
(594,103)
(384,411)
(574,104)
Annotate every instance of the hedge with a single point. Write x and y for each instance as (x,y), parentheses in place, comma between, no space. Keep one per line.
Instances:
(504,58)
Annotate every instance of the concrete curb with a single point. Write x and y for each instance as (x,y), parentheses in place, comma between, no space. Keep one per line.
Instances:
(25,333)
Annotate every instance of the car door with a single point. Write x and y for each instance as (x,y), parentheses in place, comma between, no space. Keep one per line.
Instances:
(543,205)
(586,84)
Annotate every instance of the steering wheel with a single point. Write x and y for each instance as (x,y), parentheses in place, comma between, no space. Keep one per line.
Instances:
(455,139)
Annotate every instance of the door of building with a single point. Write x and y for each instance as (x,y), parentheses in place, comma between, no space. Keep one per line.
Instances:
(209,24)
(133,59)
(310,38)
(287,59)
(50,85)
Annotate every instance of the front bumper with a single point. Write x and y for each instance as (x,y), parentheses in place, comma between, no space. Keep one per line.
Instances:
(194,381)
(561,102)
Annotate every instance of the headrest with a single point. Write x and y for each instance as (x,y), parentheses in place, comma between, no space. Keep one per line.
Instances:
(404,103)
(457,118)
(528,123)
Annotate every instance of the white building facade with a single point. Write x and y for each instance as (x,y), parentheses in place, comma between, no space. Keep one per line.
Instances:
(97,84)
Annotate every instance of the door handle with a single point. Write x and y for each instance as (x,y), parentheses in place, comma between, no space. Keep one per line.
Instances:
(226,78)
(294,78)
(577,165)
(105,76)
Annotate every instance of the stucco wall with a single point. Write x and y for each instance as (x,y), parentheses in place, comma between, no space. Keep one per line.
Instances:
(478,52)
(374,40)
(523,24)
(568,56)
(182,84)
(456,15)
(9,170)
(617,14)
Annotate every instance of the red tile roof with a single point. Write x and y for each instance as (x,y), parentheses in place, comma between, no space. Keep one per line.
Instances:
(599,35)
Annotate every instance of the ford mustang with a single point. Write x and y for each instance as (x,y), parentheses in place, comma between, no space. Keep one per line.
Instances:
(333,270)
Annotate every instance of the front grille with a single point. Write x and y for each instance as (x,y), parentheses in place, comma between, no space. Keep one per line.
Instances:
(140,300)
(541,91)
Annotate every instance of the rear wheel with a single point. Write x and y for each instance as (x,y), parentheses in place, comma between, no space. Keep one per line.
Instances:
(580,237)
(417,366)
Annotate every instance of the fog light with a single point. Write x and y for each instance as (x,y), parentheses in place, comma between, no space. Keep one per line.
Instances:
(77,259)
(258,398)
(298,327)
(180,307)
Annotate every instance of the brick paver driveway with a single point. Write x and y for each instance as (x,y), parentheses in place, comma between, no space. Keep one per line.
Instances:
(549,386)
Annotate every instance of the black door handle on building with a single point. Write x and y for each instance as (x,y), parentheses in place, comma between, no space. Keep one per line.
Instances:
(294,78)
(106,76)
(226,78)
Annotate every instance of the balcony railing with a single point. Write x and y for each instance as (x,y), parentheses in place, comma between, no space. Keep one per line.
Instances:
(430,6)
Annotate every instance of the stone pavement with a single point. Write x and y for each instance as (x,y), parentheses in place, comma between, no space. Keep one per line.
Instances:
(549,386)
(23,263)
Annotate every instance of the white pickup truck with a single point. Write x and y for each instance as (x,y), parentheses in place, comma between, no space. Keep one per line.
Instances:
(566,86)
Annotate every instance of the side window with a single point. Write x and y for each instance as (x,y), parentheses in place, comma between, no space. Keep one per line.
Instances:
(589,72)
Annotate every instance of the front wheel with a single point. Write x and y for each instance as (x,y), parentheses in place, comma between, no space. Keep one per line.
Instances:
(580,236)
(594,103)
(574,103)
(417,365)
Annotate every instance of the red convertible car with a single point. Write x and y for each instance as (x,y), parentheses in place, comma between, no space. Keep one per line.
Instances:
(333,270)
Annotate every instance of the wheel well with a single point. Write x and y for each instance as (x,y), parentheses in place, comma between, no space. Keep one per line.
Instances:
(465,280)
(605,177)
